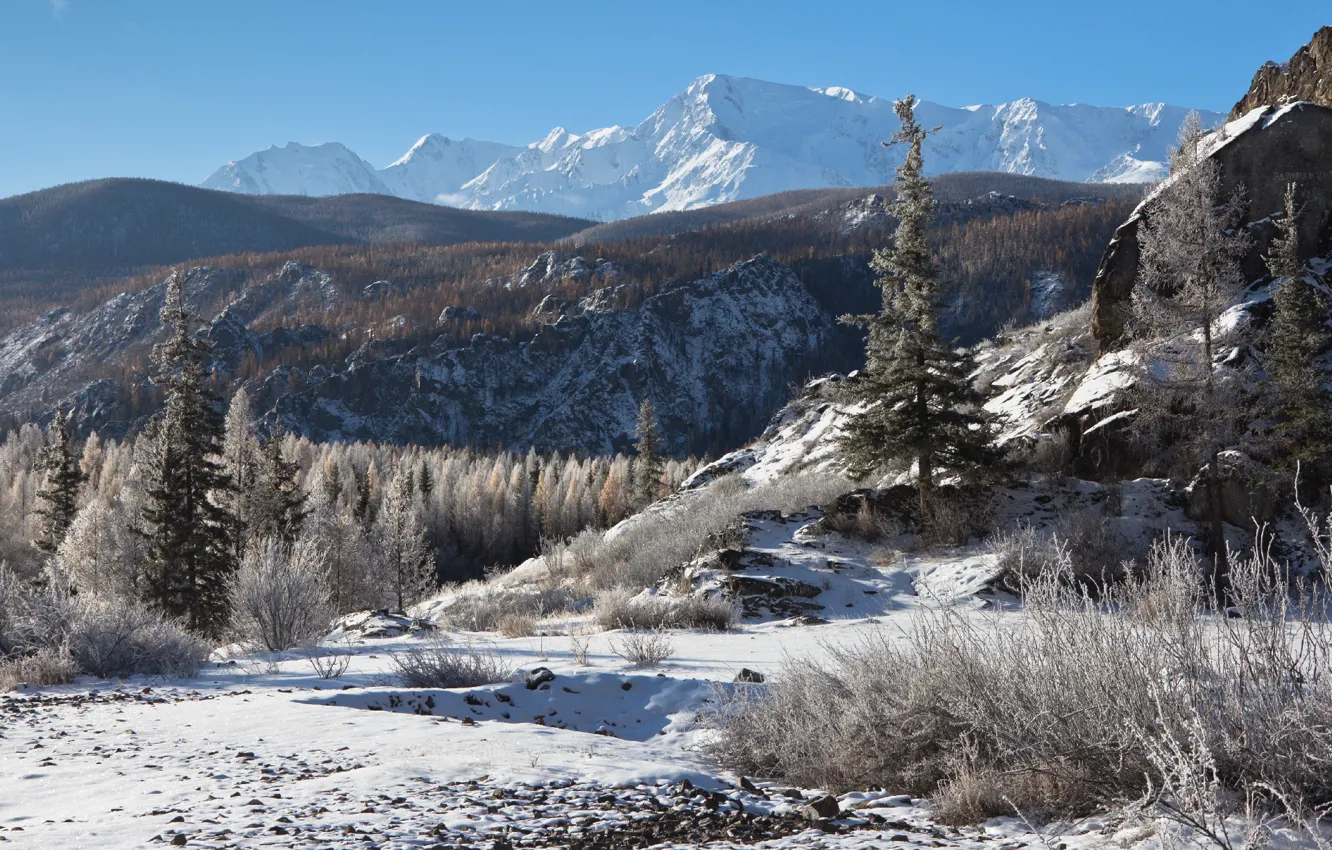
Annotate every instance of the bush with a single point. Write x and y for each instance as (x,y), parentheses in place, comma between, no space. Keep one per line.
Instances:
(1083,702)
(620,609)
(1083,548)
(116,638)
(280,595)
(440,665)
(43,668)
(644,649)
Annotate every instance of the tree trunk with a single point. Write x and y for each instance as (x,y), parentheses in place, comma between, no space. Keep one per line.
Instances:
(1216,538)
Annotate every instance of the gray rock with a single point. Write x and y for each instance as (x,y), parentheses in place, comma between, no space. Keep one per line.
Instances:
(822,807)
(1280,146)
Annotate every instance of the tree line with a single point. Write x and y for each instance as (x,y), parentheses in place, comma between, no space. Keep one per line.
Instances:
(166,517)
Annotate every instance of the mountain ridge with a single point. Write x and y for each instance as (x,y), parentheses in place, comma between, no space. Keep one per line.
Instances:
(727,138)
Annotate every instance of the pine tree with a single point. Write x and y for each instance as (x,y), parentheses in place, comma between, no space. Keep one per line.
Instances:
(1296,335)
(190,553)
(1191,249)
(58,498)
(914,400)
(648,469)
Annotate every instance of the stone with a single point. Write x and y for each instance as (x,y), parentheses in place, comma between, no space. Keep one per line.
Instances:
(539,677)
(820,808)
(750,676)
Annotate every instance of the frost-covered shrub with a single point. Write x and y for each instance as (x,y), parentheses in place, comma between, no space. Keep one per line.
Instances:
(1082,548)
(621,609)
(280,595)
(1080,702)
(644,649)
(436,664)
(112,638)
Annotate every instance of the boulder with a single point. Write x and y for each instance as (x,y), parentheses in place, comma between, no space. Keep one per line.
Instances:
(1261,152)
(752,677)
(821,807)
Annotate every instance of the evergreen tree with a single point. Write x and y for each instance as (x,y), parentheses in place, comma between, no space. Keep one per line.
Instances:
(914,401)
(58,497)
(1297,334)
(1191,247)
(648,469)
(279,502)
(190,553)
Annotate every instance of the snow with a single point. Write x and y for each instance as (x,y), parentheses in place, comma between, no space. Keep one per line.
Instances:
(729,138)
(255,745)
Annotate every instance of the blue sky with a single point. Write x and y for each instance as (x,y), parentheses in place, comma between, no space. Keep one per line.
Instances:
(174,88)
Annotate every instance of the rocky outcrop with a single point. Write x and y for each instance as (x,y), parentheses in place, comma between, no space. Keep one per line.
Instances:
(1260,152)
(1306,77)
(716,355)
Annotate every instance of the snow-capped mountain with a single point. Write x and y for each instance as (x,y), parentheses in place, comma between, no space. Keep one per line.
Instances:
(296,169)
(729,138)
(437,167)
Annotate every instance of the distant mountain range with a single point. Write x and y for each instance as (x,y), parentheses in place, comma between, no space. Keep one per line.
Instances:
(726,139)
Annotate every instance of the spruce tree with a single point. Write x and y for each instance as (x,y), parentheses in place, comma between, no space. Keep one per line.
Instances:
(913,401)
(647,471)
(58,497)
(189,553)
(1296,335)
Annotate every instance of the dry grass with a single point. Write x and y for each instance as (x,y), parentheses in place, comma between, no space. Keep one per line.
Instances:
(640,553)
(620,609)
(517,625)
(43,668)
(483,607)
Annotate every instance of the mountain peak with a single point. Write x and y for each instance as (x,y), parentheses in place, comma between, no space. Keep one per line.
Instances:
(727,138)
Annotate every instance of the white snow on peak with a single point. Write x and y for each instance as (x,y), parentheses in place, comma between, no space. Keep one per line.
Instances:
(727,138)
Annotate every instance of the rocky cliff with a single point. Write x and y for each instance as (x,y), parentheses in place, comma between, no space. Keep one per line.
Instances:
(1260,153)
(717,356)
(1306,77)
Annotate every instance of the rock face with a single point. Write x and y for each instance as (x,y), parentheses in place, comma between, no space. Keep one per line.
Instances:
(716,355)
(1261,151)
(1307,76)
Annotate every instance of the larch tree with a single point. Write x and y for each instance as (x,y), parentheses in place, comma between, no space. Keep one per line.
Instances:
(913,402)
(1192,244)
(400,542)
(279,504)
(240,458)
(648,466)
(1295,336)
(190,555)
(57,499)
